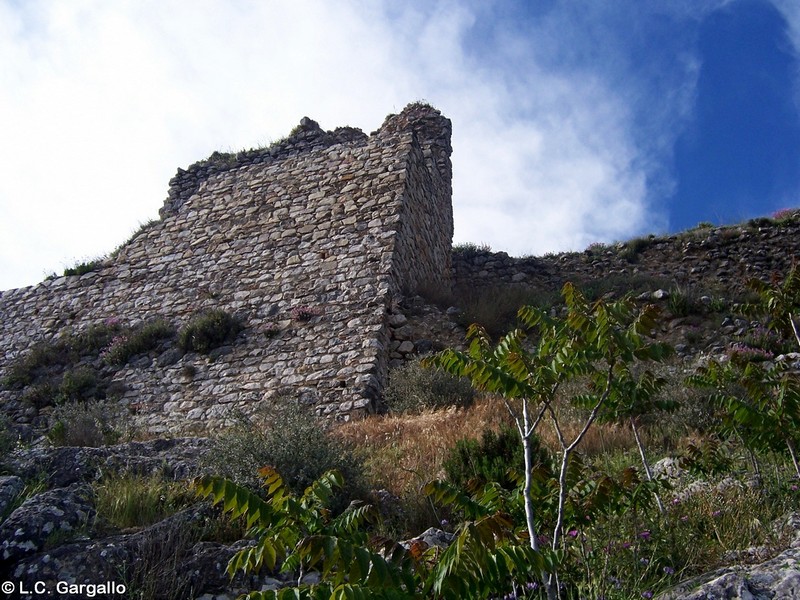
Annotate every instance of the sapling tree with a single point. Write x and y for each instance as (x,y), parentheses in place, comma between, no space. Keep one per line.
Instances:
(592,343)
(635,396)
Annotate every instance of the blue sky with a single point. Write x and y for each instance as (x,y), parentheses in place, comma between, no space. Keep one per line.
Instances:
(574,121)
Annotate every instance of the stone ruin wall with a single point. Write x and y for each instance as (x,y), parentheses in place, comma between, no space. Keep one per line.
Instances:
(339,221)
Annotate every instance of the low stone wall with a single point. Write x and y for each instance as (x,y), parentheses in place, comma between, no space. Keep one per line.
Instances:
(714,257)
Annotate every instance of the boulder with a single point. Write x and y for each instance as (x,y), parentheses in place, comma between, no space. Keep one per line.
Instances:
(45,519)
(776,578)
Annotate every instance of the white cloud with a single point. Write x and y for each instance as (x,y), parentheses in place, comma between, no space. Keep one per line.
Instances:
(101,102)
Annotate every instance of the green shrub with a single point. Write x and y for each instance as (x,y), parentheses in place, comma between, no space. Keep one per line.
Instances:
(81,384)
(84,267)
(470,249)
(208,330)
(90,341)
(40,395)
(496,457)
(683,302)
(633,248)
(46,364)
(92,424)
(289,438)
(137,341)
(40,360)
(413,388)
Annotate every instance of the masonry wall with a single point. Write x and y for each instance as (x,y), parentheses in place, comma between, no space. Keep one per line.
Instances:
(339,222)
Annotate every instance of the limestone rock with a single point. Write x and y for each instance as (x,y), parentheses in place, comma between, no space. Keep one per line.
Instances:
(45,517)
(778,578)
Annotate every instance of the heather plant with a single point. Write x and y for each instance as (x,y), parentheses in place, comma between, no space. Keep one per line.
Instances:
(208,330)
(412,388)
(137,340)
(784,214)
(768,340)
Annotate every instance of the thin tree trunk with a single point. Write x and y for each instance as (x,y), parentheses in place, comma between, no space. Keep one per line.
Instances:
(529,517)
(647,471)
(794,328)
(526,431)
(793,454)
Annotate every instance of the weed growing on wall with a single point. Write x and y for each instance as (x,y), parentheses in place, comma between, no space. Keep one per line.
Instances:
(208,330)
(84,267)
(470,249)
(138,340)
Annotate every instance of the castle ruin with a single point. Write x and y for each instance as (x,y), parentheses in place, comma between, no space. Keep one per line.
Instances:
(338,224)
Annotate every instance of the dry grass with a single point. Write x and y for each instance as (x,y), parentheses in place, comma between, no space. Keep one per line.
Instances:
(600,439)
(406,451)
(403,452)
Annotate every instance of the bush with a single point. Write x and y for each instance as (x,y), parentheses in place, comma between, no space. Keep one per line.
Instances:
(471,250)
(633,248)
(290,438)
(138,341)
(683,302)
(496,457)
(84,267)
(36,363)
(90,424)
(208,330)
(80,384)
(413,388)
